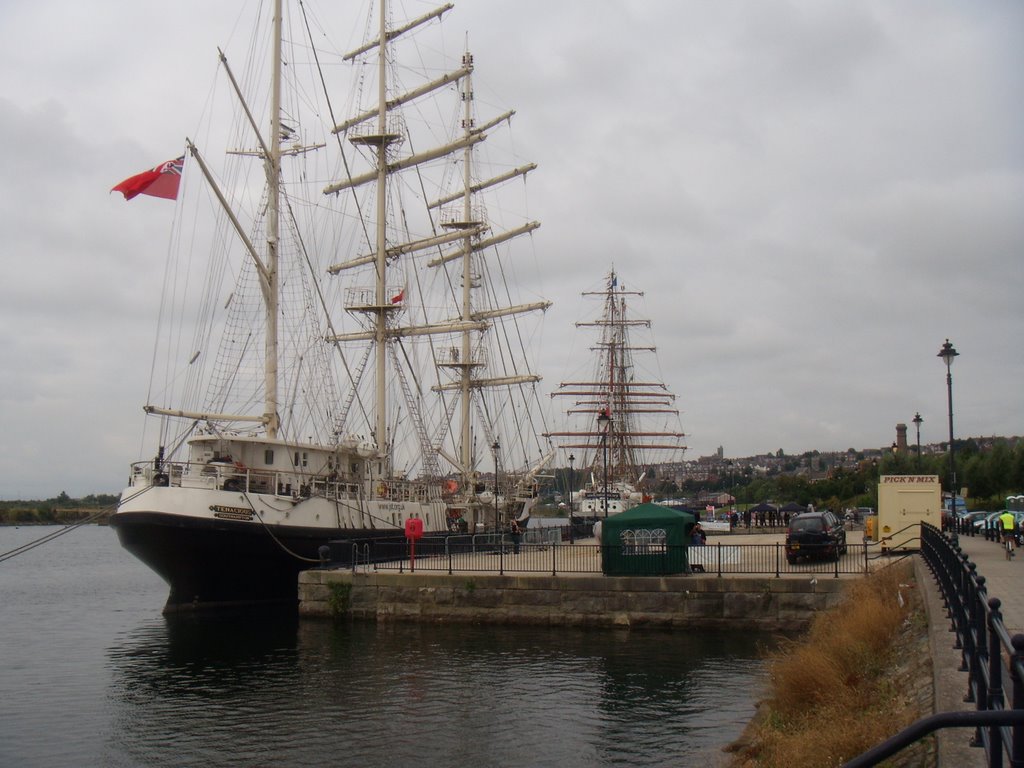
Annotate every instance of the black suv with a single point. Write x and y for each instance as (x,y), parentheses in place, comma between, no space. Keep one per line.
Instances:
(815,535)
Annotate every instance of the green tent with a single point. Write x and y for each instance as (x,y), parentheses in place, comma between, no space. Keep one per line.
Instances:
(647,540)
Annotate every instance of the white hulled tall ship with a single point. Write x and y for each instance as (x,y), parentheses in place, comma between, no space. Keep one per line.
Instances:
(622,417)
(366,357)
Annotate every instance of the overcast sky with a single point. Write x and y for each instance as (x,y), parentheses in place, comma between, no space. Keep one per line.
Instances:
(813,195)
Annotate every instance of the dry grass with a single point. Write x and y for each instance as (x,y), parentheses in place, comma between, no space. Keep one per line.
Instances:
(834,693)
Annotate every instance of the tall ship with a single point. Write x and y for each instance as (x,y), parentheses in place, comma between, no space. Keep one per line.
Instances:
(342,354)
(622,418)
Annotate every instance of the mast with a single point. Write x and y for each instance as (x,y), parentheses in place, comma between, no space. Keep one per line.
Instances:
(266,266)
(468,359)
(251,363)
(614,390)
(273,170)
(380,308)
(450,241)
(382,176)
(376,302)
(466,457)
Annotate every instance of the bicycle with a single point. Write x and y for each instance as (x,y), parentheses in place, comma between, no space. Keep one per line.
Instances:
(1008,546)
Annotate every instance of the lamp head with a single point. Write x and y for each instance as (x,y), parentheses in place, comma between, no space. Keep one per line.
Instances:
(948,354)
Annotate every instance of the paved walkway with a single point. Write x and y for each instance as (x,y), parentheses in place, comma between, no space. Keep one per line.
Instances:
(1004,580)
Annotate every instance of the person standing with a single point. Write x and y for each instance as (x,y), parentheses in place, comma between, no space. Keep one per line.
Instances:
(697,539)
(516,532)
(697,536)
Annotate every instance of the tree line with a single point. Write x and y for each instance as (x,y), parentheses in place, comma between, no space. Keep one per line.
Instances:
(990,470)
(61,509)
(989,474)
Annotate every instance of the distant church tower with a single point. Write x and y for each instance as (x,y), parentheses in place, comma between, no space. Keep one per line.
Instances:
(901,438)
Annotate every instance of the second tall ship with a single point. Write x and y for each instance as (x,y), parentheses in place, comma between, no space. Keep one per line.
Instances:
(622,418)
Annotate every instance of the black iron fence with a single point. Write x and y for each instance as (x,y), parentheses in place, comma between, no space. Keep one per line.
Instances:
(988,528)
(993,660)
(963,526)
(503,555)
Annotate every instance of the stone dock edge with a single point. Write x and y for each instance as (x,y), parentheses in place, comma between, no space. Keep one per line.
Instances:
(784,605)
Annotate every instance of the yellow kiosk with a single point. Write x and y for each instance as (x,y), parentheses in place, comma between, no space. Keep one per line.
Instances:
(904,502)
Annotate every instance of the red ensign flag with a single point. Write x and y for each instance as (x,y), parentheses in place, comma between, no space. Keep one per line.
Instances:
(162,181)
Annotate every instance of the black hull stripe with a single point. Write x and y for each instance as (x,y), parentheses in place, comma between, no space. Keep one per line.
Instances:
(220,563)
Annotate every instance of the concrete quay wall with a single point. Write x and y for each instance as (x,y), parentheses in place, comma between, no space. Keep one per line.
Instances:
(619,601)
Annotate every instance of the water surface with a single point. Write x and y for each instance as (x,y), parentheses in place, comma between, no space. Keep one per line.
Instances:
(93,674)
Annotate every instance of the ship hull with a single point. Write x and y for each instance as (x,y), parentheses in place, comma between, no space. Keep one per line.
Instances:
(213,563)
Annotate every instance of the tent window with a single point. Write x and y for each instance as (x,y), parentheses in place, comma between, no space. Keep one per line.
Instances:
(644,541)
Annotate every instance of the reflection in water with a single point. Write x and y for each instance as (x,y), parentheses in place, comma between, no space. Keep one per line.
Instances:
(94,675)
(268,690)
(188,691)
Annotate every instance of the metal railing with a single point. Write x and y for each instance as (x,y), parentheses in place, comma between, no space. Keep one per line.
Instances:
(229,476)
(993,660)
(492,553)
(961,527)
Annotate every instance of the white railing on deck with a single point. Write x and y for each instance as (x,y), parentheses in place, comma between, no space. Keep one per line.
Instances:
(233,478)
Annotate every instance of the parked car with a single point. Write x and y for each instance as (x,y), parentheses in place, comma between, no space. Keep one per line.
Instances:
(987,520)
(815,535)
(992,520)
(973,514)
(973,517)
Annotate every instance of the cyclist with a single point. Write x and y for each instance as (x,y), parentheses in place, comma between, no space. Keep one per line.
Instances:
(1007,526)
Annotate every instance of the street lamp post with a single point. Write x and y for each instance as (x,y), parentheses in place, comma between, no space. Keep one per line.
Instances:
(732,491)
(917,423)
(572,460)
(605,421)
(496,447)
(948,354)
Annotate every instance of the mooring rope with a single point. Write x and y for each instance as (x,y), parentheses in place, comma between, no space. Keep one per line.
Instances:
(277,541)
(66,529)
(296,555)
